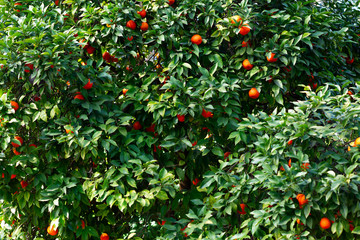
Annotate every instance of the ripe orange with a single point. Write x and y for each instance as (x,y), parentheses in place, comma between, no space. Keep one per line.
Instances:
(196,39)
(79,96)
(253,93)
(242,206)
(325,223)
(52,231)
(82,221)
(90,49)
(137,125)
(24,184)
(305,166)
(236,18)
(19,139)
(181,118)
(162,223)
(301,199)
(271,58)
(15,105)
(349,61)
(16,152)
(171,2)
(104,236)
(244,44)
(357,141)
(299,222)
(289,164)
(142,13)
(247,65)
(350,93)
(290,142)
(196,181)
(18,4)
(207,114)
(88,85)
(106,56)
(131,24)
(244,30)
(125,91)
(144,26)
(29,65)
(130,38)
(68,131)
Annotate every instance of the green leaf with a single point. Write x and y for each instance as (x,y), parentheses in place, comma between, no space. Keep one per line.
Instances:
(162,195)
(187,65)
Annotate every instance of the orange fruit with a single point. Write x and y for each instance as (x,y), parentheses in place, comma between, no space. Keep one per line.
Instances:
(128,68)
(325,223)
(131,24)
(18,4)
(350,93)
(302,199)
(68,131)
(125,91)
(130,38)
(106,56)
(253,93)
(207,114)
(349,61)
(24,184)
(242,206)
(247,65)
(171,2)
(162,223)
(82,221)
(144,26)
(181,118)
(244,30)
(289,164)
(104,236)
(16,152)
(52,231)
(15,105)
(19,139)
(305,166)
(236,18)
(137,125)
(88,85)
(79,96)
(142,13)
(196,181)
(196,39)
(29,65)
(290,142)
(357,141)
(244,44)
(271,58)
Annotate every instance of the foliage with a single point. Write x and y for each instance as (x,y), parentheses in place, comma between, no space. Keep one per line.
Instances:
(164,141)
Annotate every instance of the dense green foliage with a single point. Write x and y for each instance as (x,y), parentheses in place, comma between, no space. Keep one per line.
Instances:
(165,142)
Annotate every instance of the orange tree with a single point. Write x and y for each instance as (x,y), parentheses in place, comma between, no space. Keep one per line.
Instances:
(154,119)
